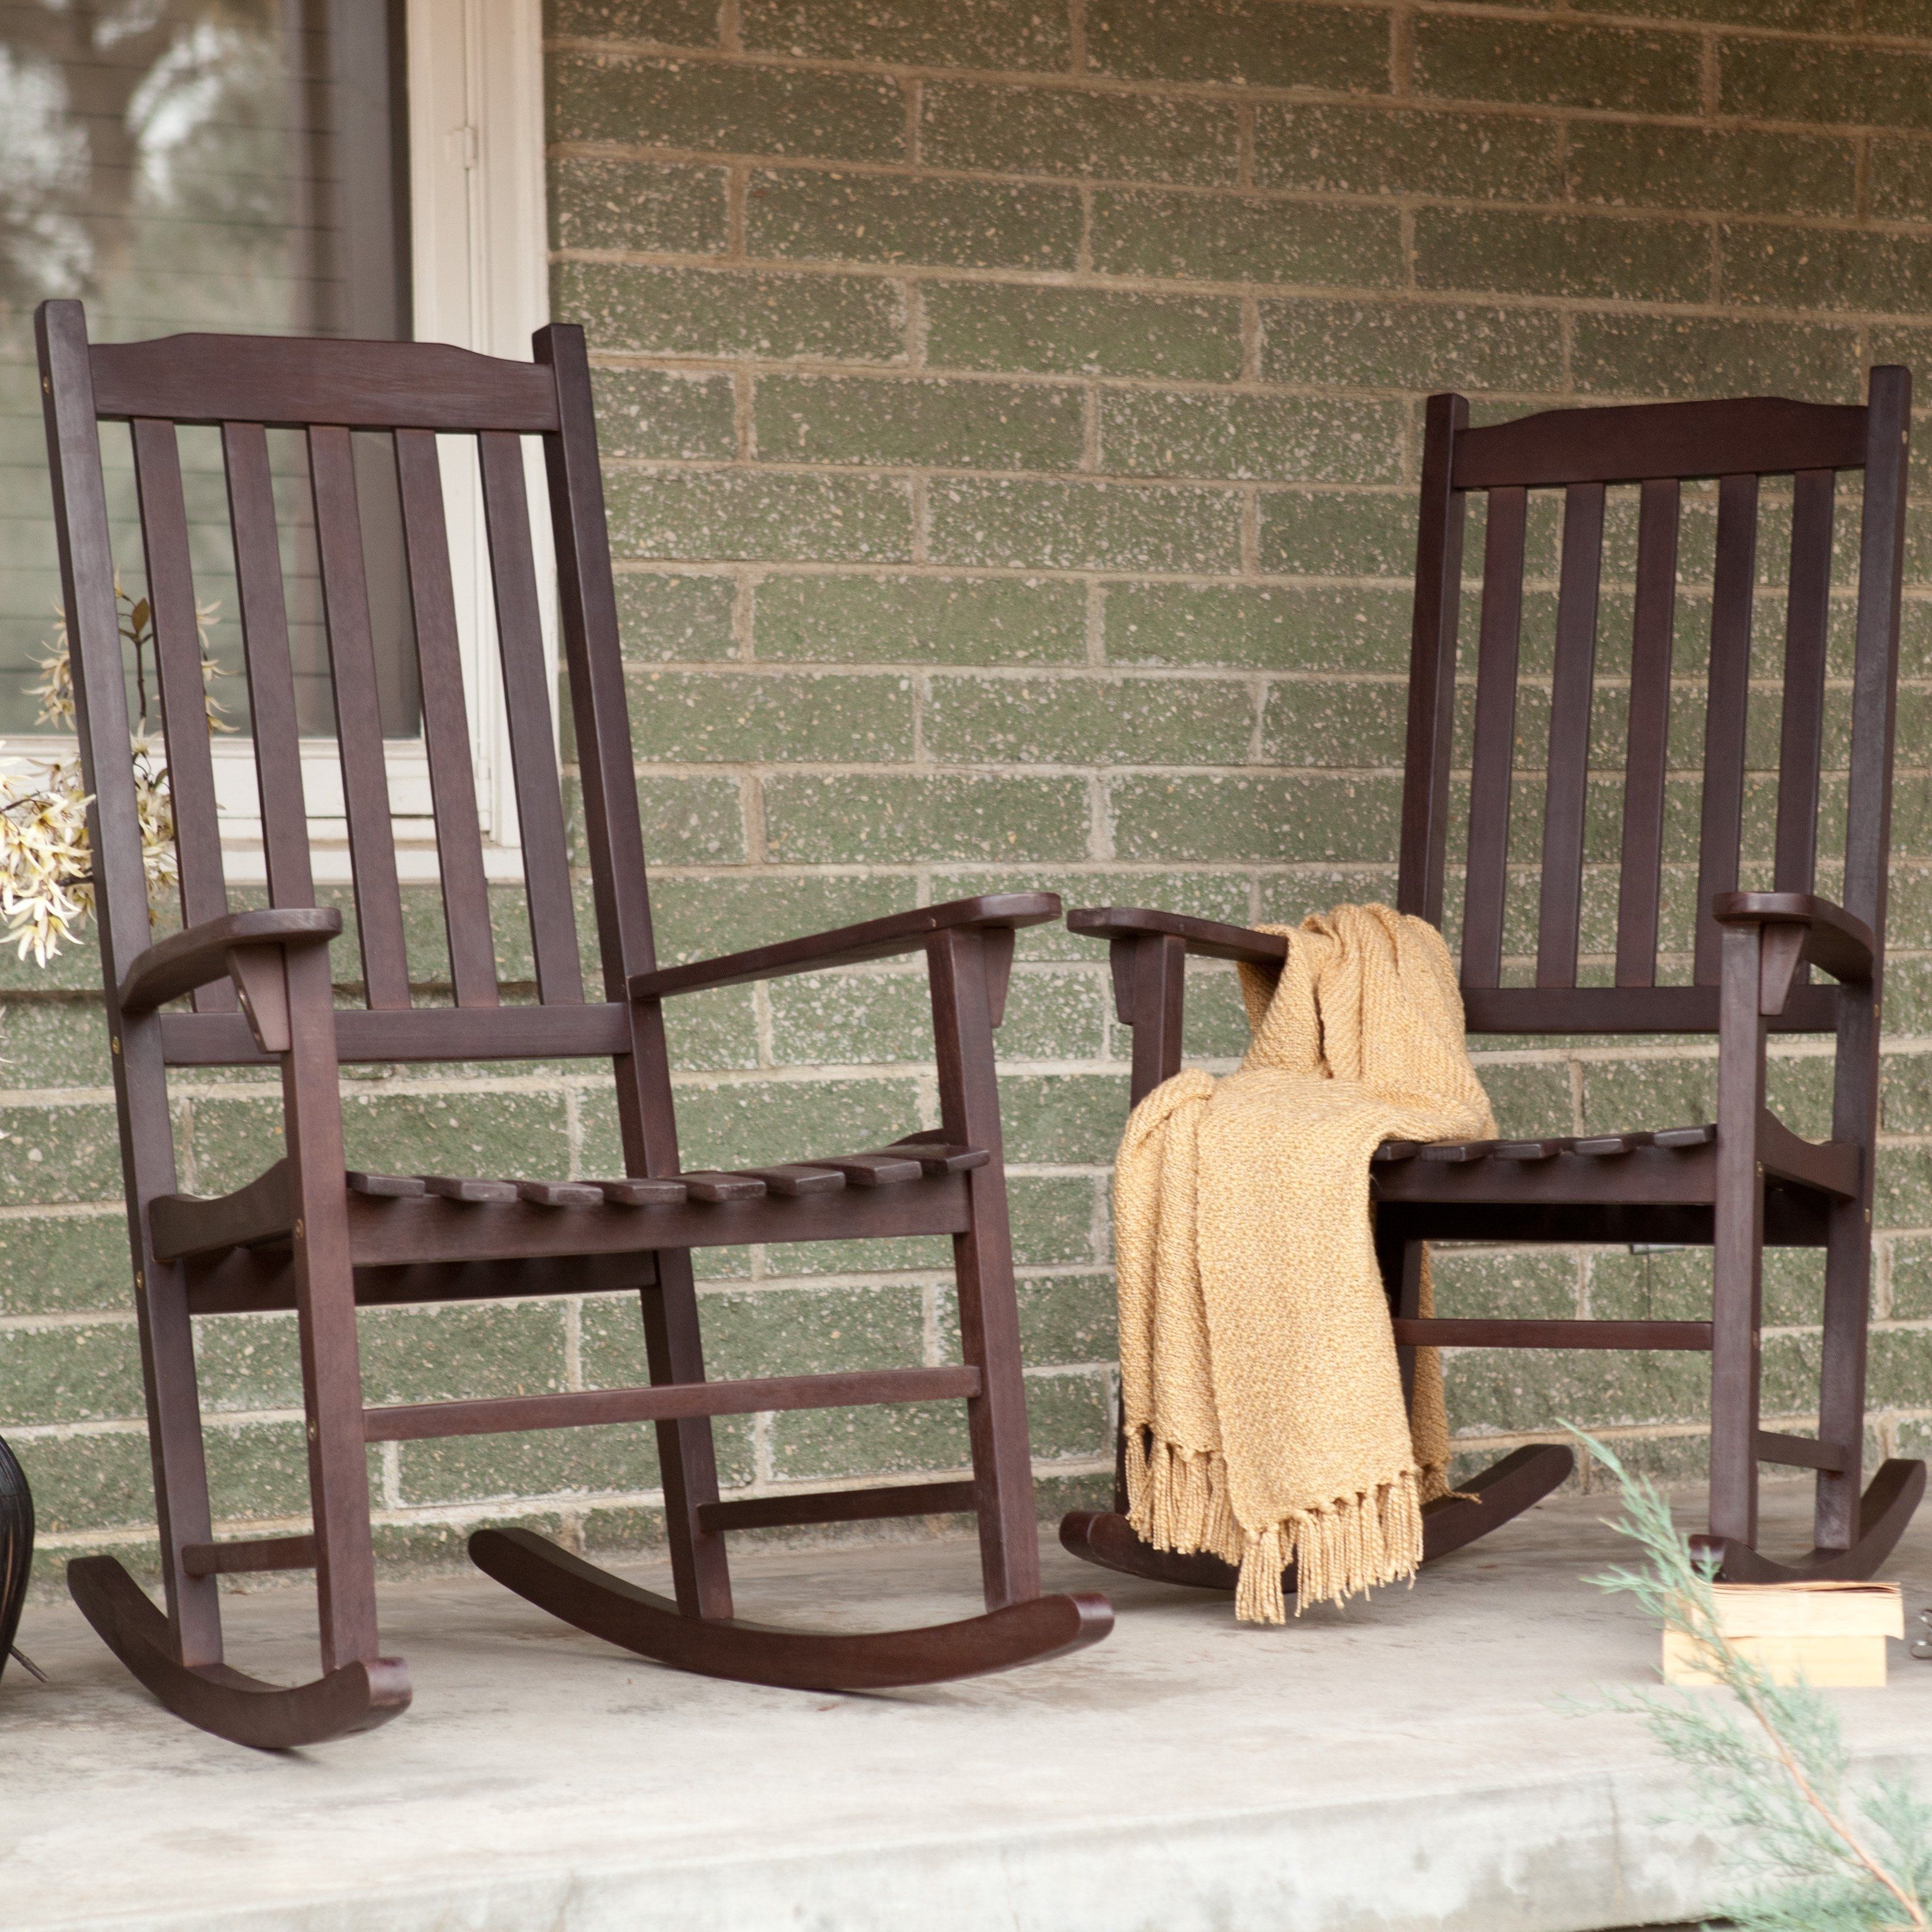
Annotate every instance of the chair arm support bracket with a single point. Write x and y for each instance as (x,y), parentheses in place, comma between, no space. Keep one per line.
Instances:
(247,946)
(1797,927)
(1205,938)
(998,914)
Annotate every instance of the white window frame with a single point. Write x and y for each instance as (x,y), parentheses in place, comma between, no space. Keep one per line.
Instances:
(479,245)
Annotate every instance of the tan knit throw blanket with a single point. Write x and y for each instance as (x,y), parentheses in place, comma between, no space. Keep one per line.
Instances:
(1260,1392)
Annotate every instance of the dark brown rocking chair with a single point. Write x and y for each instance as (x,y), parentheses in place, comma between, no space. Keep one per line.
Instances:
(1747,1180)
(306,1235)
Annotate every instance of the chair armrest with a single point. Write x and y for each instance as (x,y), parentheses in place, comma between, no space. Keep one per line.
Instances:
(187,960)
(1207,937)
(849,945)
(1832,938)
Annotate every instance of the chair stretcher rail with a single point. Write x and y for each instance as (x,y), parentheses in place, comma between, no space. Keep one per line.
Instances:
(668,1401)
(1439,1332)
(836,1506)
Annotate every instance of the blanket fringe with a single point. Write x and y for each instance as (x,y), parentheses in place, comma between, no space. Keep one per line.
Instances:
(1177,1500)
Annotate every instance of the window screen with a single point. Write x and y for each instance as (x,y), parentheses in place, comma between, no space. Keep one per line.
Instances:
(178,165)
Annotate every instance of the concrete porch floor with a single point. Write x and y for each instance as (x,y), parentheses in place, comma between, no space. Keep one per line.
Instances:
(1405,1764)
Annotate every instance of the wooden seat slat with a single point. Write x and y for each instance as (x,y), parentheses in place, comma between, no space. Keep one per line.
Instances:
(706,1185)
(792,1179)
(638,1192)
(386,1187)
(875,1170)
(471,1192)
(559,1194)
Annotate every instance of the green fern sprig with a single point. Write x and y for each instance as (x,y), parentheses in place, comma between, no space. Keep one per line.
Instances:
(1771,1767)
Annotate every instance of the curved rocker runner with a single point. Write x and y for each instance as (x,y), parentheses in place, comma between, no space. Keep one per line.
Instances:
(309,1235)
(355,1697)
(1504,1490)
(638,1620)
(1744,970)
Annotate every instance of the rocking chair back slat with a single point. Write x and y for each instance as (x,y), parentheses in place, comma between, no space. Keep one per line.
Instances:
(1727,716)
(526,705)
(358,717)
(1801,727)
(1431,681)
(1653,450)
(264,643)
(177,633)
(459,837)
(1875,679)
(1567,792)
(1493,773)
(1647,758)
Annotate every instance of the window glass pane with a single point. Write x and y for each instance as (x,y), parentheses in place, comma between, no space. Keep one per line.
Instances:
(178,165)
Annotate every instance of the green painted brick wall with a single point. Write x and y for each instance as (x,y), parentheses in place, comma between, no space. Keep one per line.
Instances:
(1011,412)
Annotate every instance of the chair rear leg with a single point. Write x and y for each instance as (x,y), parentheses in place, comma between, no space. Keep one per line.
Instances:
(963,999)
(1738,1244)
(1841,1395)
(687,1454)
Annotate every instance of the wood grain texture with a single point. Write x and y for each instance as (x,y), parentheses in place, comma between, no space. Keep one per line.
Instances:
(310,1236)
(1748,1180)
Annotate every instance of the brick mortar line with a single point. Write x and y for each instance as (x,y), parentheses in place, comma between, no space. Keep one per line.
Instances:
(1686,26)
(1178,288)
(875,470)
(1105,671)
(762,769)
(735,164)
(1691,37)
(756,368)
(1560,118)
(1106,576)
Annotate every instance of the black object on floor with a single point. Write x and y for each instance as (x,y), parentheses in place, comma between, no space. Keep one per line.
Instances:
(16,1553)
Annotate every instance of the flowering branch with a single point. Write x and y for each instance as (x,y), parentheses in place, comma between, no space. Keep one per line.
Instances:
(47,876)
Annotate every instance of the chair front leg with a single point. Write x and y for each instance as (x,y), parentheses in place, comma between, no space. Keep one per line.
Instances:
(1737,1240)
(965,991)
(325,1319)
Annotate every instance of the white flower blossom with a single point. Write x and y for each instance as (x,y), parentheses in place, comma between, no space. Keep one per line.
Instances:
(46,875)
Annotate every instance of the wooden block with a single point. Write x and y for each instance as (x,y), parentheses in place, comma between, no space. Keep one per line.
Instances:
(1810,1609)
(1830,1635)
(1826,1663)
